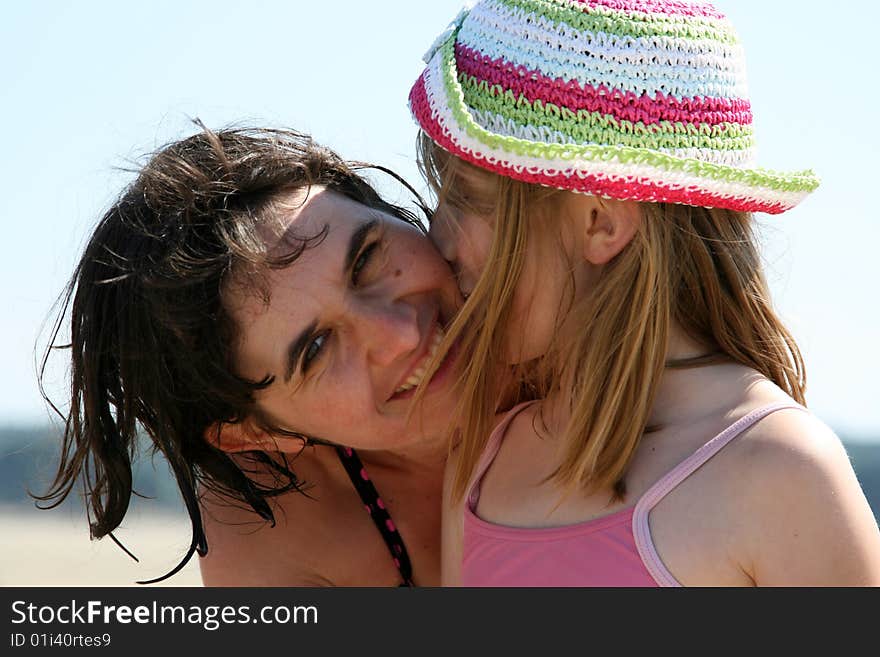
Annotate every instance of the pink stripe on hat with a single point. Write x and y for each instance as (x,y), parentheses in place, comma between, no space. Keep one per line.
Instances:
(624,105)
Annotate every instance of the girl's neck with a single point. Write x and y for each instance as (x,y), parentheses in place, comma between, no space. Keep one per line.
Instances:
(684,394)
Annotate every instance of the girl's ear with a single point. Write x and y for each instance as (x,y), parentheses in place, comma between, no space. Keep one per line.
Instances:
(245,436)
(608,226)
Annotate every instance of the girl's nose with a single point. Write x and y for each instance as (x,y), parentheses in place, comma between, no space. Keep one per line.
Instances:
(442,235)
(444,232)
(388,330)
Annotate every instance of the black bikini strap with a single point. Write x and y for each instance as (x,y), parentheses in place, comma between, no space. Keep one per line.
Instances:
(376,508)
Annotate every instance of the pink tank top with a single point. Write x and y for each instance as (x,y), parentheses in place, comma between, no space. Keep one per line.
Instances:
(613,550)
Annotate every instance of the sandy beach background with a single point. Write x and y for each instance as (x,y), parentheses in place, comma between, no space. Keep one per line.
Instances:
(52,548)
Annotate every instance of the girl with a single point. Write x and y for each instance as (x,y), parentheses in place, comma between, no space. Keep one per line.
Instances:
(593,165)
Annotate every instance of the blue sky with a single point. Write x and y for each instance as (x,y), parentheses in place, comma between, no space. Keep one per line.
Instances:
(89,86)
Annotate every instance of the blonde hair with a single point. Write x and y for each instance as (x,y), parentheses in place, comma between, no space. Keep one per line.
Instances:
(697,267)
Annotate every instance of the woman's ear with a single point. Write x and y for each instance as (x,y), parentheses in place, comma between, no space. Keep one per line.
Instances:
(246,436)
(608,226)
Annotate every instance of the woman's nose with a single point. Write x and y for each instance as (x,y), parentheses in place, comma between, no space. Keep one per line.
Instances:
(387,329)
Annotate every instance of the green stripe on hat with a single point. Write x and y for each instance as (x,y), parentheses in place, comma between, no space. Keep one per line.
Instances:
(593,127)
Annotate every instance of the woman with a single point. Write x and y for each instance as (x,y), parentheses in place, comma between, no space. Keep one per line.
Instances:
(251,303)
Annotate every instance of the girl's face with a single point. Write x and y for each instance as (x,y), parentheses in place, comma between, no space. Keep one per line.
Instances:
(463,232)
(348,326)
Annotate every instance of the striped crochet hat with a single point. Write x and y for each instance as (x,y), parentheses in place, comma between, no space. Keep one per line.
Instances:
(630,99)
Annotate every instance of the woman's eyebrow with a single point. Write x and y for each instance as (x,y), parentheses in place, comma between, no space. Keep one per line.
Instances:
(355,244)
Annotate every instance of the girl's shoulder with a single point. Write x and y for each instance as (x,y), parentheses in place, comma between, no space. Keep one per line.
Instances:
(792,459)
(790,442)
(503,424)
(805,518)
(770,434)
(787,449)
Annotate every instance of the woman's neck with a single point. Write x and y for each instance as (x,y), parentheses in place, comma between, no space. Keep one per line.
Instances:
(428,455)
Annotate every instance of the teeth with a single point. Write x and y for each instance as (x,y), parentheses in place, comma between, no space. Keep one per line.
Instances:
(415,378)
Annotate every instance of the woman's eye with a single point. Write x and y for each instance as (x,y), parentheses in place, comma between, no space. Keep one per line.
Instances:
(313,350)
(362,261)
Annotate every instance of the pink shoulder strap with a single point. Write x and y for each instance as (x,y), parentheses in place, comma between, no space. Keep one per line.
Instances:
(641,528)
(490,452)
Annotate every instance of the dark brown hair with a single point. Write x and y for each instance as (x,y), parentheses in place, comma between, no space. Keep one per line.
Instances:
(150,339)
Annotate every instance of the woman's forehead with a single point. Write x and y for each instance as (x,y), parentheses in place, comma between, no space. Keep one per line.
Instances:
(314,224)
(306,213)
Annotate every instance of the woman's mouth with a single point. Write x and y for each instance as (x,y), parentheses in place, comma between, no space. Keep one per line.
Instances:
(418,374)
(407,388)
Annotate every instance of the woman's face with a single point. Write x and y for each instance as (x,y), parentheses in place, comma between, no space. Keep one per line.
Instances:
(349,326)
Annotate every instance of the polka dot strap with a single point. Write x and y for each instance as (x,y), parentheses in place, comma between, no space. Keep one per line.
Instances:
(376,508)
